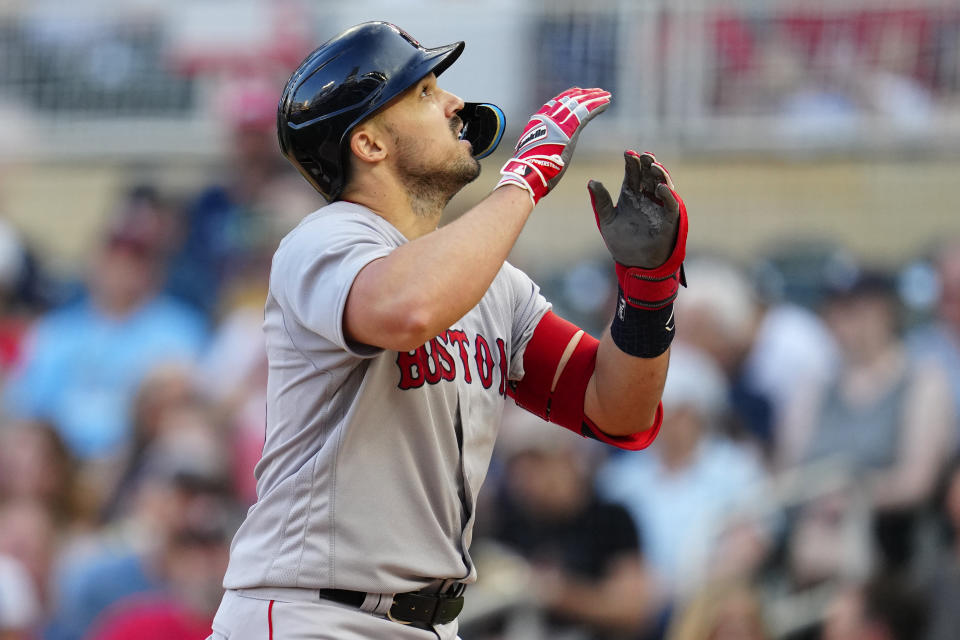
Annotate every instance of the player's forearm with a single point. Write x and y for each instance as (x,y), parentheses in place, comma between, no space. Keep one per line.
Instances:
(624,391)
(426,285)
(646,234)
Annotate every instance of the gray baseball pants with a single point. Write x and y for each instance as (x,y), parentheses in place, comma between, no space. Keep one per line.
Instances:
(300,614)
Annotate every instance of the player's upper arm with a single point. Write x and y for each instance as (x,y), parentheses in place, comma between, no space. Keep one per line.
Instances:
(528,307)
(314,270)
(371,317)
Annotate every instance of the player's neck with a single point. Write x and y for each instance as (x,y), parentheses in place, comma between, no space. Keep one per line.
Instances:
(411,216)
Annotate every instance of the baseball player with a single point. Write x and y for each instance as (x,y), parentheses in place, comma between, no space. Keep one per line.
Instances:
(393,344)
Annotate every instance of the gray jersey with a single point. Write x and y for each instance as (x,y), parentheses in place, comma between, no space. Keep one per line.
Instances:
(373,458)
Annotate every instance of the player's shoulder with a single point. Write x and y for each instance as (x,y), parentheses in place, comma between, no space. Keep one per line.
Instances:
(338,217)
(513,283)
(334,224)
(510,275)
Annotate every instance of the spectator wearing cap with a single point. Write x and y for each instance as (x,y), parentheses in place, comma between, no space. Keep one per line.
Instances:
(884,414)
(691,481)
(83,362)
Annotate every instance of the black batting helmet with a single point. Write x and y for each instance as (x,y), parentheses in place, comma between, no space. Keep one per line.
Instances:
(342,82)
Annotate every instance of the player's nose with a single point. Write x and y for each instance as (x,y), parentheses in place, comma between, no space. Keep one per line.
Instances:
(453,104)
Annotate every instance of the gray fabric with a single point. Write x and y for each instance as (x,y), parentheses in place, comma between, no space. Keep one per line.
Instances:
(251,617)
(944,594)
(359,481)
(868,436)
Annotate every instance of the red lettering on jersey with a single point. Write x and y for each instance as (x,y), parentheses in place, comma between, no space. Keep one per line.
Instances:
(460,338)
(502,347)
(434,361)
(445,370)
(484,361)
(411,364)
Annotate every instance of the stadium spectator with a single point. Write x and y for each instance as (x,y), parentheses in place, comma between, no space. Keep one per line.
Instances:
(885,415)
(35,464)
(791,345)
(698,478)
(166,400)
(182,476)
(586,567)
(720,317)
(233,225)
(84,361)
(187,571)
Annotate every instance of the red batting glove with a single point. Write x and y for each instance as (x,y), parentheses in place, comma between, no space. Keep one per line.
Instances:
(547,142)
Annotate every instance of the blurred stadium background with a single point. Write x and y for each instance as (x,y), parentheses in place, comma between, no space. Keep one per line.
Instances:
(817,145)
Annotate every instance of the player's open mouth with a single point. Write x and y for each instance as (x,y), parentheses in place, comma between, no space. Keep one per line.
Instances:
(463,130)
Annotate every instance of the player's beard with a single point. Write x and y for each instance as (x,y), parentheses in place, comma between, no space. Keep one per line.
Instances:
(431,184)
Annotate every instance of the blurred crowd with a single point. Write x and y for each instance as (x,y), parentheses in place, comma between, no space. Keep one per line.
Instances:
(132,400)
(821,72)
(805,484)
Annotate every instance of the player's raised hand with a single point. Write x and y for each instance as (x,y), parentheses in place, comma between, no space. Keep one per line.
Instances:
(547,142)
(646,232)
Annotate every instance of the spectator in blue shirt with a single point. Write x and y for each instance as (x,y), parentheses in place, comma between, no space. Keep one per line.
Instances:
(83,362)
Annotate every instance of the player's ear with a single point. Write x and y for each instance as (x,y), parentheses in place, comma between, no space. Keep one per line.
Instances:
(368,142)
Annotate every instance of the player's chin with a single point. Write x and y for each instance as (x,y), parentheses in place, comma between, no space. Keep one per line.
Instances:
(472,168)
(465,163)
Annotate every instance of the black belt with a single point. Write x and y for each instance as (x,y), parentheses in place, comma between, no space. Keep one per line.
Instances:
(415,608)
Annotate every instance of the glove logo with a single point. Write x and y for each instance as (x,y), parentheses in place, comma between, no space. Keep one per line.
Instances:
(533,136)
(553,162)
(520,170)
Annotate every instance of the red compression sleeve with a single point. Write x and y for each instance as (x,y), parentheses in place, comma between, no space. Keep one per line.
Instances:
(562,403)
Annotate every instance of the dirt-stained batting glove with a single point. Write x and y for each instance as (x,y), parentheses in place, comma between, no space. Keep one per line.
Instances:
(646,232)
(548,140)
